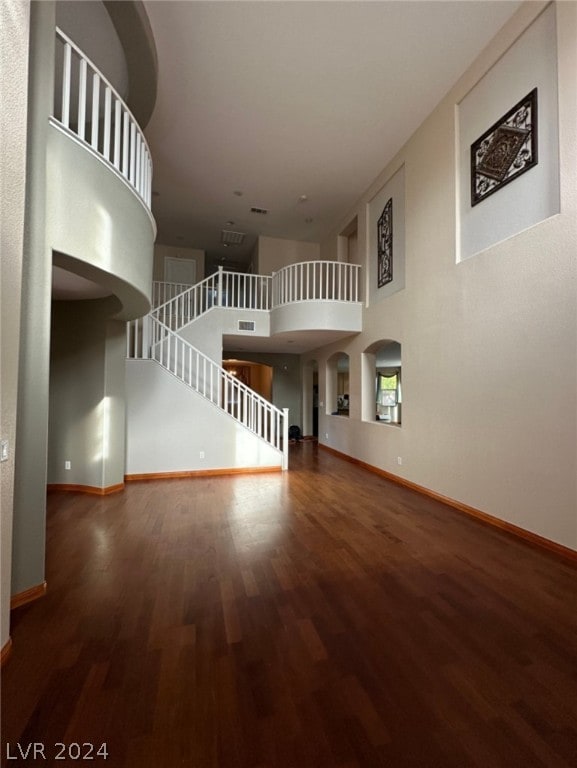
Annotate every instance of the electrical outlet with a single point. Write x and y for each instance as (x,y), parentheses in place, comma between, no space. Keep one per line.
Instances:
(4,450)
(399,460)
(67,465)
(326,435)
(202,454)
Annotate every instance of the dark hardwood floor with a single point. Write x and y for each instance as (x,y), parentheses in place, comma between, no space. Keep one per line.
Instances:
(324,617)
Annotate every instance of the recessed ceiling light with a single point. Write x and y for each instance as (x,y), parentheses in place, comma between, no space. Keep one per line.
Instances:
(238,192)
(303,199)
(229,223)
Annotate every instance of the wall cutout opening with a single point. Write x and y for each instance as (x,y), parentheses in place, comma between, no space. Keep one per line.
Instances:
(382,387)
(337,381)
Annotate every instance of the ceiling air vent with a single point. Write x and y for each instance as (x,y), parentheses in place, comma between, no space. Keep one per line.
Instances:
(246,325)
(260,211)
(229,237)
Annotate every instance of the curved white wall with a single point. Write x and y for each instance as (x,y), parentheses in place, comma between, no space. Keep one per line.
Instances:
(96,220)
(316,315)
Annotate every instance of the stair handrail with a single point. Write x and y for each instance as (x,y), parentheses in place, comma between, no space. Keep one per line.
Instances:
(186,306)
(304,281)
(225,289)
(164,290)
(210,380)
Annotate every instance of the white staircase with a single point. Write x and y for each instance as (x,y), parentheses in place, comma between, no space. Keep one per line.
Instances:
(228,290)
(150,339)
(319,282)
(157,336)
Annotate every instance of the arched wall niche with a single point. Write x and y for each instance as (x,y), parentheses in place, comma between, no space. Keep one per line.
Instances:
(381,382)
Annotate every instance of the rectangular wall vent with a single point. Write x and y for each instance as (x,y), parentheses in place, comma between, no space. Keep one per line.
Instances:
(246,325)
(260,211)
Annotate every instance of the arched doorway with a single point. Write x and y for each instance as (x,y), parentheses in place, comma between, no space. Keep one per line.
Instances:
(257,376)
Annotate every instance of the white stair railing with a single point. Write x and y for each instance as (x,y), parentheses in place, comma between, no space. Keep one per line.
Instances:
(231,290)
(210,380)
(88,107)
(307,281)
(316,281)
(163,291)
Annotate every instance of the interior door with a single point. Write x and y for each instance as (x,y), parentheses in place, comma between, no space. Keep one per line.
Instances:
(179,270)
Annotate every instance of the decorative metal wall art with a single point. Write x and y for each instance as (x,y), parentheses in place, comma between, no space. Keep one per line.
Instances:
(385,244)
(506,150)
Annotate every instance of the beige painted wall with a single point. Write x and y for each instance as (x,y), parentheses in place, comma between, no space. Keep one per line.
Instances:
(14,27)
(273,253)
(476,334)
(29,521)
(87,409)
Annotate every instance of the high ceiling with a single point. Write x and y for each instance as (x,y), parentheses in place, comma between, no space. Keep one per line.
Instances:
(293,107)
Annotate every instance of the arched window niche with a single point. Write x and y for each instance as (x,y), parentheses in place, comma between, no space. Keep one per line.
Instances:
(337,384)
(382,388)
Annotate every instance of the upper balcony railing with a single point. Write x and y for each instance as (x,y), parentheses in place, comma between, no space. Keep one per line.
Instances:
(316,281)
(89,107)
(307,281)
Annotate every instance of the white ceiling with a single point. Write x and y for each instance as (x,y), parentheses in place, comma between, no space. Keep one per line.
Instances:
(282,99)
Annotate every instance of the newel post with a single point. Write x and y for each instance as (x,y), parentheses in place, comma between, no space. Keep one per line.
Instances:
(285,438)
(219,288)
(145,337)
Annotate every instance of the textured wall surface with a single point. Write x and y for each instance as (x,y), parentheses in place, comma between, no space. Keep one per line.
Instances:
(489,344)
(14,21)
